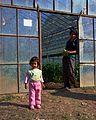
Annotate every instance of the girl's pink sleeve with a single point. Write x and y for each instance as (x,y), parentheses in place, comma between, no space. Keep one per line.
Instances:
(26,78)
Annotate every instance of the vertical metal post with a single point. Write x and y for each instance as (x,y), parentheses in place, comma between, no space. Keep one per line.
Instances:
(87,7)
(34,3)
(40,36)
(78,19)
(18,66)
(77,62)
(71,6)
(11,2)
(94,53)
(53,4)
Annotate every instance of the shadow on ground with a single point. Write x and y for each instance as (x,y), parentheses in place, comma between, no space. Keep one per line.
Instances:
(75,95)
(13,104)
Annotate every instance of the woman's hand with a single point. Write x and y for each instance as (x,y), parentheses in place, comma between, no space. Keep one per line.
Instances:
(65,53)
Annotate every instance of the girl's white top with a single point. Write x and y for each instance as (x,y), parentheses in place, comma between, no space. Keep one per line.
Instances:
(34,75)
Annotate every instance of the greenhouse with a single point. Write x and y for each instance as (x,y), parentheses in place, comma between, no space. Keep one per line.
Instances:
(41,28)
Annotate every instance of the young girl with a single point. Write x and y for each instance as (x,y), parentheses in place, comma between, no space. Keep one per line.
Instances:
(35,80)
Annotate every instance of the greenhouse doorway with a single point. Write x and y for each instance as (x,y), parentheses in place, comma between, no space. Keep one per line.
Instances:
(55,33)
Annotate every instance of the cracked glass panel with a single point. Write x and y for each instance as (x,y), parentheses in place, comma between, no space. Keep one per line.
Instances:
(5,2)
(8,50)
(7,21)
(28,47)
(28,3)
(28,22)
(92,7)
(86,75)
(86,49)
(85,28)
(45,4)
(8,79)
(63,5)
(78,6)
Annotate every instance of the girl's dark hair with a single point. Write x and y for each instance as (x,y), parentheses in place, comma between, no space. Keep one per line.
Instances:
(34,59)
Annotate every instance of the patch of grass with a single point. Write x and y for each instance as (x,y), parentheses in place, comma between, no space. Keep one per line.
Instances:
(7,98)
(7,108)
(65,117)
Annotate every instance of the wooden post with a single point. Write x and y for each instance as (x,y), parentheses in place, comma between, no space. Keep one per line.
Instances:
(40,36)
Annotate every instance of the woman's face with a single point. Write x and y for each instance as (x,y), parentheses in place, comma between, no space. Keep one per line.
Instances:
(72,36)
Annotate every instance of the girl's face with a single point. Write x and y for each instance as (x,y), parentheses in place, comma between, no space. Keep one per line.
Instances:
(34,65)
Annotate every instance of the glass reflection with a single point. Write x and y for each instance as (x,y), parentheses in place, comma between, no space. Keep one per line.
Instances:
(8,79)
(28,22)
(8,50)
(45,4)
(28,48)
(23,70)
(79,5)
(8,21)
(85,28)
(63,5)
(92,7)
(23,2)
(86,51)
(87,75)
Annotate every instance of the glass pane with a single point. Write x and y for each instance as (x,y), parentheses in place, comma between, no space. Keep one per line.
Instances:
(23,2)
(23,70)
(63,5)
(79,5)
(46,4)
(5,1)
(28,48)
(85,28)
(8,21)
(28,22)
(95,27)
(8,50)
(87,75)
(86,51)
(92,7)
(8,79)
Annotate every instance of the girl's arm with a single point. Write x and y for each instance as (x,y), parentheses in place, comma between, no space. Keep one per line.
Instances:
(42,81)
(26,80)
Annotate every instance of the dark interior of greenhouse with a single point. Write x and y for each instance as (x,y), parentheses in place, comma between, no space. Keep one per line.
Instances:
(55,33)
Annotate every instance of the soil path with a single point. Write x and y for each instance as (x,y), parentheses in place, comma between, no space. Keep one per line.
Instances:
(57,104)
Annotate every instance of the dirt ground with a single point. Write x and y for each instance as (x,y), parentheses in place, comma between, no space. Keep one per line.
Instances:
(57,104)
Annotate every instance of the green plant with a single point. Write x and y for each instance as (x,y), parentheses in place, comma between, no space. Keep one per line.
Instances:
(52,72)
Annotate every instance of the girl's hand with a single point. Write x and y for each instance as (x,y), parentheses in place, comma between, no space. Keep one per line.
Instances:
(25,85)
(42,85)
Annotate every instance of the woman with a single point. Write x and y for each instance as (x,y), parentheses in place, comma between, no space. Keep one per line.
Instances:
(69,59)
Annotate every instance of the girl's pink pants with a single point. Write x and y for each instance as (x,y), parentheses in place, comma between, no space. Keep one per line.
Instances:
(34,93)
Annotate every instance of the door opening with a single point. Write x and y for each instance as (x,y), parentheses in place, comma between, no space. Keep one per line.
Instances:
(55,33)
